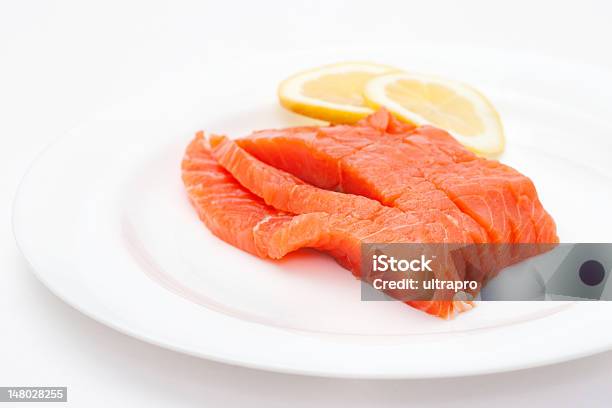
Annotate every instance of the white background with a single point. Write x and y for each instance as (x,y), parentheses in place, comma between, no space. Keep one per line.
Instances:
(61,61)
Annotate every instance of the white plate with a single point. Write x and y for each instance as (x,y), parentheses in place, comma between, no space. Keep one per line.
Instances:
(103,220)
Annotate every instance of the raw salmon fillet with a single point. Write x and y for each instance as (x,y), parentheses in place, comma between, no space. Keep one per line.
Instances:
(422,171)
(380,181)
(241,218)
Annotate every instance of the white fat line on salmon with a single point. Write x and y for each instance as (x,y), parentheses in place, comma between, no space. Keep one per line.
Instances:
(259,224)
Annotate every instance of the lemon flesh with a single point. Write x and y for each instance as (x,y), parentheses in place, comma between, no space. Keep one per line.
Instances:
(452,106)
(333,93)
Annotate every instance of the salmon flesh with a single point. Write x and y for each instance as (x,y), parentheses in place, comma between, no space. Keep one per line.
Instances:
(379,181)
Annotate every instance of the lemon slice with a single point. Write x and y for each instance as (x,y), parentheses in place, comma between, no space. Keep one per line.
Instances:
(333,92)
(450,105)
